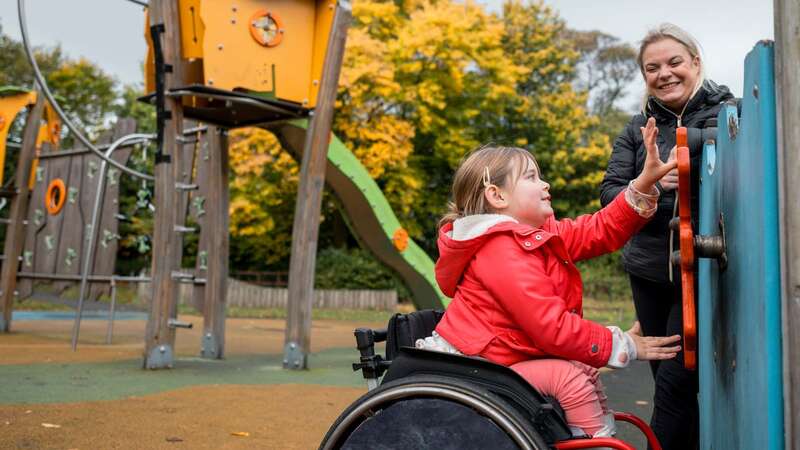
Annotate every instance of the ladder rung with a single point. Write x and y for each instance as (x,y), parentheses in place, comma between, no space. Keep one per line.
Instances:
(186,187)
(183,229)
(182,276)
(174,323)
(186,140)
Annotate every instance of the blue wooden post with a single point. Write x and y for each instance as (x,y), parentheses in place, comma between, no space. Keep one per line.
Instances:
(739,309)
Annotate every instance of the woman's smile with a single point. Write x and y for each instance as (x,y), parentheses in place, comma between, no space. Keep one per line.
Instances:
(669,86)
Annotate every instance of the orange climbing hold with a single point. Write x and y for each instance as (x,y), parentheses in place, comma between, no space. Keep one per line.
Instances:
(55,196)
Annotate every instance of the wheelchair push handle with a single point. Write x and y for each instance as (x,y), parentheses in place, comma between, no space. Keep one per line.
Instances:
(371,365)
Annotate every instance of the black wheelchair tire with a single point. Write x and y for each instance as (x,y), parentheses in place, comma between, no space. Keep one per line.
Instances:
(498,411)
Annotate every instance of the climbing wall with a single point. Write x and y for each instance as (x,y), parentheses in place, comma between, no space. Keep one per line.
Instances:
(56,236)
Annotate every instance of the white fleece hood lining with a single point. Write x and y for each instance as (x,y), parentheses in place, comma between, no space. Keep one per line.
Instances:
(473,226)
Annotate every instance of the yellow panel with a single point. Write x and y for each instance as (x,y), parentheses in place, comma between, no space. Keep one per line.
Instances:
(49,131)
(193,73)
(192,29)
(234,59)
(149,60)
(322,30)
(10,106)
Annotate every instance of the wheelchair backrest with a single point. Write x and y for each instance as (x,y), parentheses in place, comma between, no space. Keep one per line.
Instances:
(404,329)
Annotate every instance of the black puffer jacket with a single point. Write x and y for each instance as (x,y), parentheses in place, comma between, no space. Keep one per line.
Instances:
(647,254)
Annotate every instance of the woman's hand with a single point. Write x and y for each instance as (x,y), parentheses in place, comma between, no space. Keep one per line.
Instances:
(654,169)
(649,348)
(669,182)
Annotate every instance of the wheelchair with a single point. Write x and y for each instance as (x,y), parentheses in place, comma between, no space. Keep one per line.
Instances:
(434,400)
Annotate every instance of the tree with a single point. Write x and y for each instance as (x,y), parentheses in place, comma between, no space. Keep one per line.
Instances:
(606,68)
(548,116)
(263,190)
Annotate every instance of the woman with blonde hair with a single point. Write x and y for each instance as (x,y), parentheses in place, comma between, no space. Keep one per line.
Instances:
(677,94)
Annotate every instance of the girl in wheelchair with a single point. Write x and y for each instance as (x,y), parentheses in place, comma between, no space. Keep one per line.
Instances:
(509,266)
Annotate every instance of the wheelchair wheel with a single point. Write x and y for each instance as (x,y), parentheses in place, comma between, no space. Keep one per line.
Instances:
(427,411)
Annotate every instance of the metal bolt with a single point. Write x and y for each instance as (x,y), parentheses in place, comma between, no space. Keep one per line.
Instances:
(292,345)
(286,361)
(315,82)
(233,8)
(162,349)
(233,21)
(297,363)
(219,46)
(755,91)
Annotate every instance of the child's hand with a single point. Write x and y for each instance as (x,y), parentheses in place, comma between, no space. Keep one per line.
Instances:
(651,347)
(653,169)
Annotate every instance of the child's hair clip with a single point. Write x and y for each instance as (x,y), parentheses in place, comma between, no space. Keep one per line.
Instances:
(487,179)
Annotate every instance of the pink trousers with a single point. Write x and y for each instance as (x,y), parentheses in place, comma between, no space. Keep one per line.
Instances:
(575,385)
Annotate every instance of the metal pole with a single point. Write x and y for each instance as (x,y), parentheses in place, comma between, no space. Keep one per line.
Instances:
(110,330)
(787,88)
(88,253)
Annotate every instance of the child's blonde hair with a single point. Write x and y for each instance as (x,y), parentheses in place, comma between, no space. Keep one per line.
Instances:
(486,165)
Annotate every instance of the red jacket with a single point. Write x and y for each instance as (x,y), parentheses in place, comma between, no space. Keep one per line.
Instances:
(517,294)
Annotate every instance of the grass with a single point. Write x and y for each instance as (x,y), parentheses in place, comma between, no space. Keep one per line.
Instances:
(31,304)
(353,315)
(620,312)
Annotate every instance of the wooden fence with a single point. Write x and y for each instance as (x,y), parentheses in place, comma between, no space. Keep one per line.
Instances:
(246,295)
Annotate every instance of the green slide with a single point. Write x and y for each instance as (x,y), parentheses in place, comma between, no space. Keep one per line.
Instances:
(369,215)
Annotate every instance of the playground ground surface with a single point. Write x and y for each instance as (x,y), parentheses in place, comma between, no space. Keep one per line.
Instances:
(100,398)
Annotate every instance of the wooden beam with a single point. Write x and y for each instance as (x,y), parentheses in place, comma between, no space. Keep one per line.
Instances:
(787,86)
(15,231)
(167,243)
(305,231)
(216,221)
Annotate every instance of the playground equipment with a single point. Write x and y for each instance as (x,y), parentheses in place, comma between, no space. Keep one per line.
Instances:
(248,62)
(71,217)
(287,60)
(286,65)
